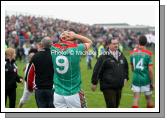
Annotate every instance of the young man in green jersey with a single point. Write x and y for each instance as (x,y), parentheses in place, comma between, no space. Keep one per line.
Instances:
(67,77)
(142,68)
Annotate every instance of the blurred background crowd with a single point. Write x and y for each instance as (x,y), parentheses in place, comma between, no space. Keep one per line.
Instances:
(23,32)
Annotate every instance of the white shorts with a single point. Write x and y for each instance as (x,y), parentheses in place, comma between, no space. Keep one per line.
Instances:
(146,89)
(73,101)
(25,95)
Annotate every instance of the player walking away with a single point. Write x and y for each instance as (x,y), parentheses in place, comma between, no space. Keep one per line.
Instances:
(142,68)
(67,77)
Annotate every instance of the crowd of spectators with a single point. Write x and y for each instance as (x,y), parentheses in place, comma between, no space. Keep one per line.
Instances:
(23,32)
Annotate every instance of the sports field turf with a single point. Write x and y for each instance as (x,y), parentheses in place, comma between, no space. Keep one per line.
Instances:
(94,99)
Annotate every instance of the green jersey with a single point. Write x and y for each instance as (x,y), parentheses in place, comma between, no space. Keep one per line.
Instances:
(67,76)
(141,59)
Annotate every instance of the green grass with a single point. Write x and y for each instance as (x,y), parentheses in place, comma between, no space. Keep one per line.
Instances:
(94,99)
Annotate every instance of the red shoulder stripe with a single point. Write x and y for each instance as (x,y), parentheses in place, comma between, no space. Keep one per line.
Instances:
(147,52)
(62,47)
(133,51)
(143,50)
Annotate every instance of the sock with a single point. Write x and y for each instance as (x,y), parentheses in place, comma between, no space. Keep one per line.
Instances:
(150,106)
(135,106)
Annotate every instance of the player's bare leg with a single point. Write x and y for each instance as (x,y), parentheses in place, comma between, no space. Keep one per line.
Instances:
(150,103)
(136,100)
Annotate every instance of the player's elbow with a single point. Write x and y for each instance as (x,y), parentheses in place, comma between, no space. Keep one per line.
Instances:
(90,42)
(150,72)
(150,69)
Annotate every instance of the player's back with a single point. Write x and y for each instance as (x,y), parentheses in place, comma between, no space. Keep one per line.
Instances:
(141,59)
(67,76)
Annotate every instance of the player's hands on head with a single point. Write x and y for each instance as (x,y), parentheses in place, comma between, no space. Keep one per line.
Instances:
(68,36)
(72,35)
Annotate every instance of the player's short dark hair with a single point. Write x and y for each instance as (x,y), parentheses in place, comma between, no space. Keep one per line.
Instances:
(72,29)
(142,40)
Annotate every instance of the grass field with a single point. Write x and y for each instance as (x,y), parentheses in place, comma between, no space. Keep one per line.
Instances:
(94,99)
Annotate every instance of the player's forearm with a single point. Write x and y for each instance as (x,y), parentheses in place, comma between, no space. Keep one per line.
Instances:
(151,75)
(83,39)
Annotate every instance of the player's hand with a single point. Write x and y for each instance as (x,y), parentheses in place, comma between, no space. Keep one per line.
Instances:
(72,35)
(152,86)
(68,36)
(94,87)
(64,35)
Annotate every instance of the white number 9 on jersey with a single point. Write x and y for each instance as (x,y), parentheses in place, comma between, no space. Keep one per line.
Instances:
(65,64)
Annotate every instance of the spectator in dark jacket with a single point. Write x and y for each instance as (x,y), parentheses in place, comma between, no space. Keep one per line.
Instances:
(11,77)
(112,71)
(39,75)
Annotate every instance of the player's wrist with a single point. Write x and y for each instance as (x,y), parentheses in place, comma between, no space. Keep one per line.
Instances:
(76,36)
(151,83)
